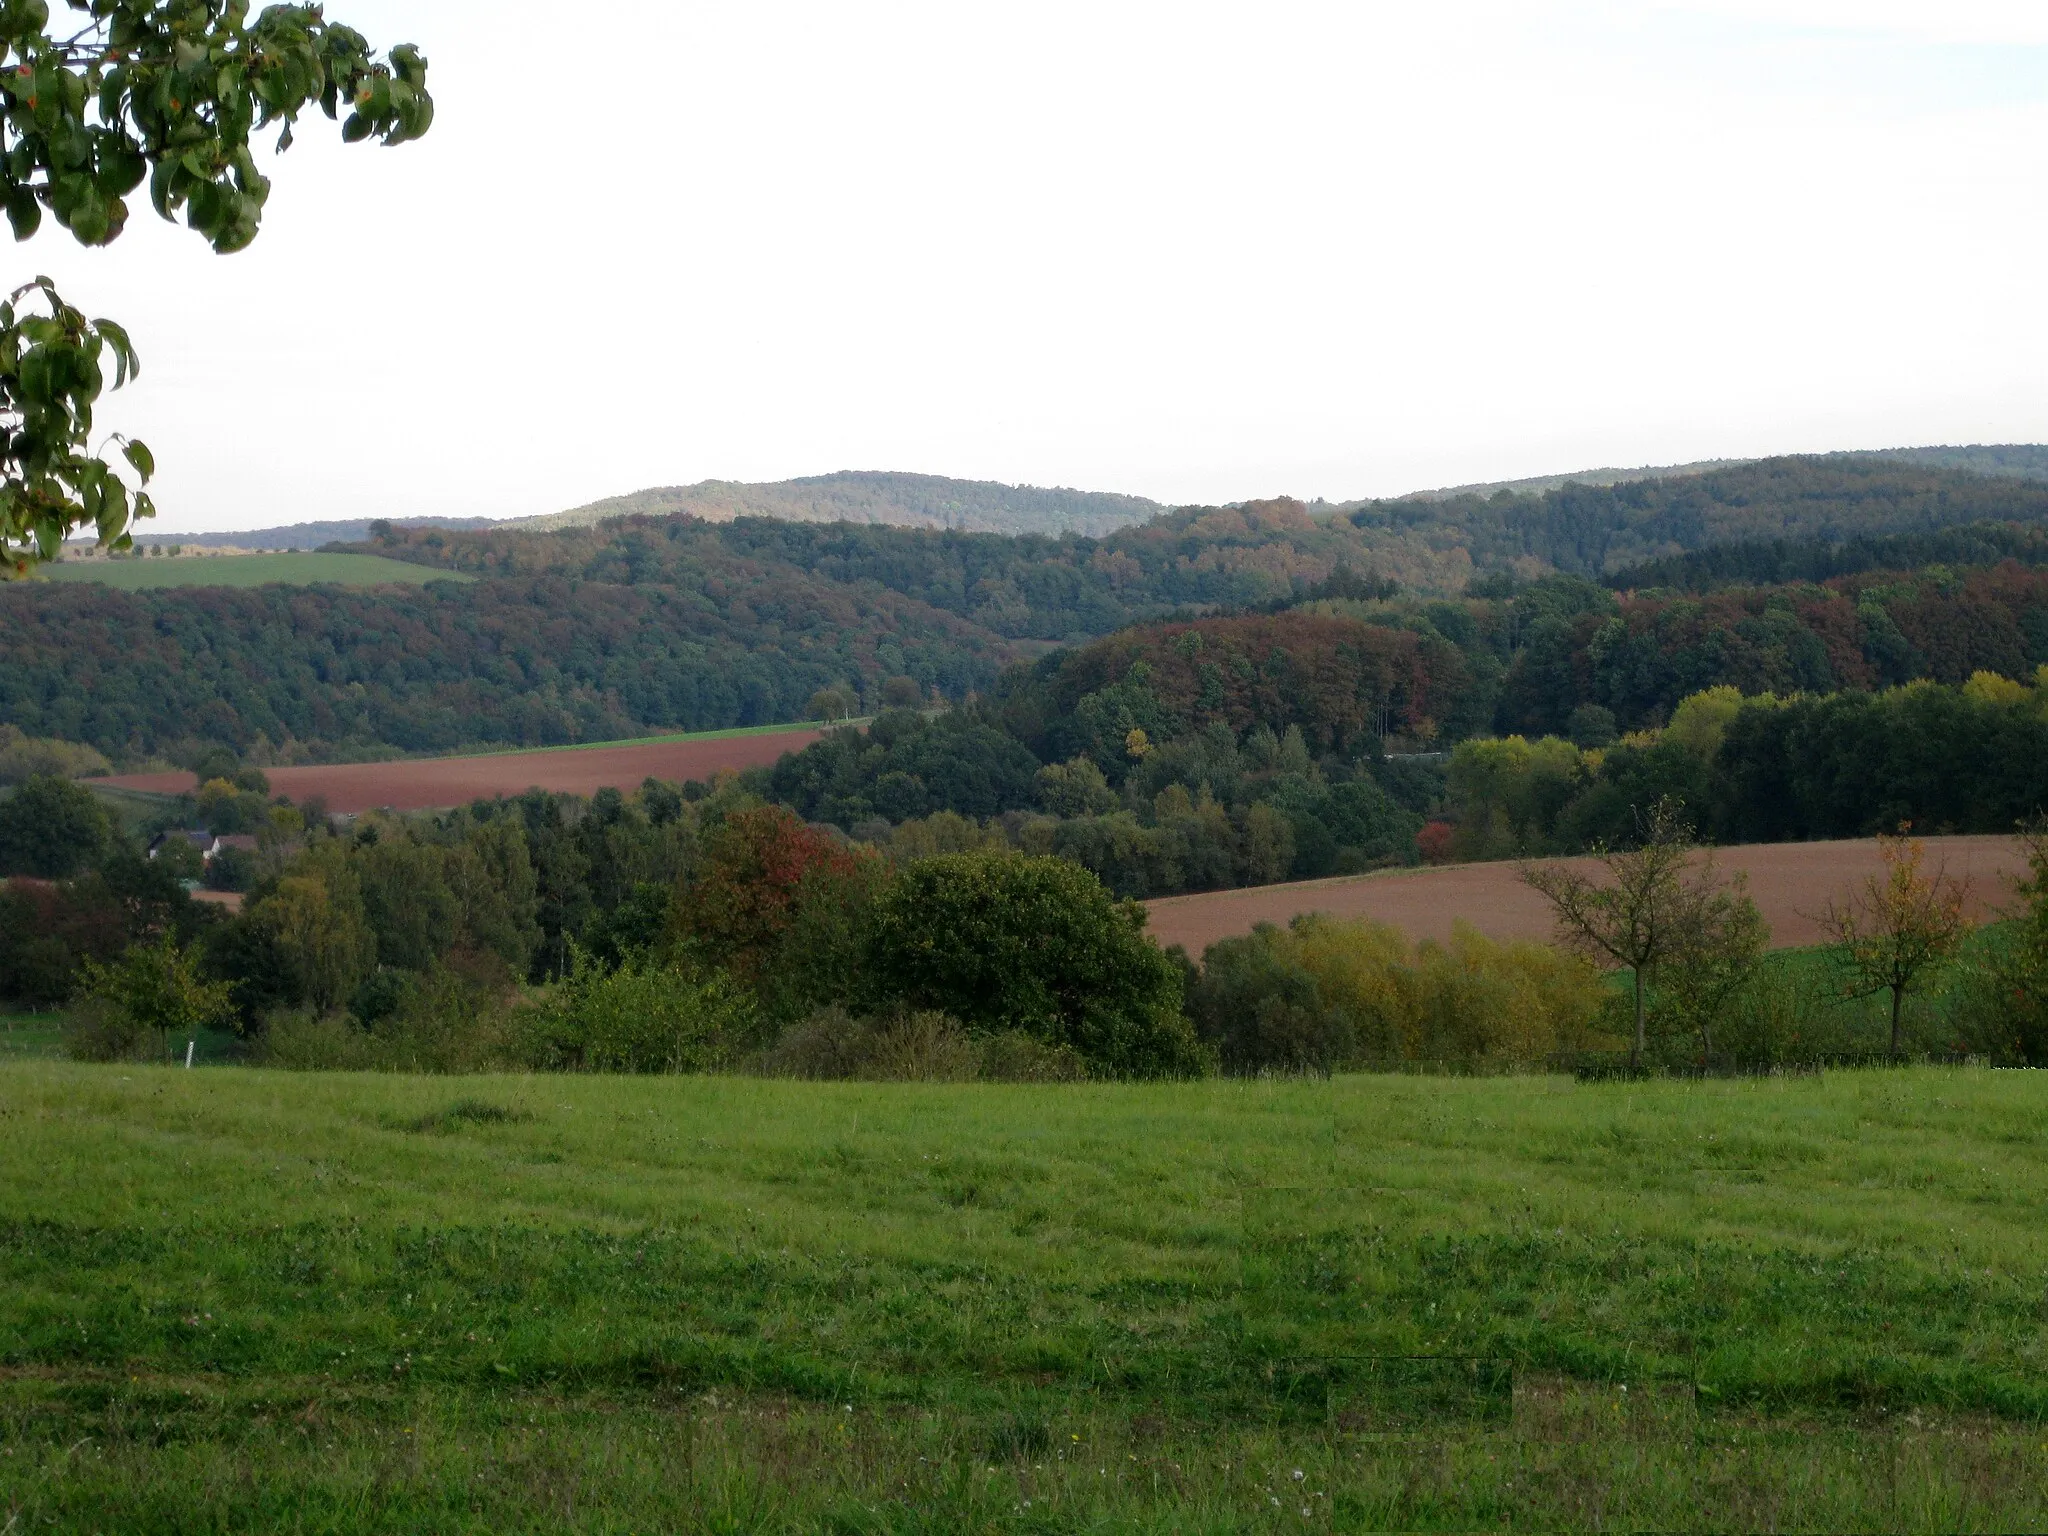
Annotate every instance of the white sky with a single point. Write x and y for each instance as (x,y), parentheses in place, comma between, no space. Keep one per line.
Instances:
(1196,252)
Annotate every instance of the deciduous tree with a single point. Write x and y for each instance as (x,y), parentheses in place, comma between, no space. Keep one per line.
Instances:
(1899,926)
(119,92)
(1657,907)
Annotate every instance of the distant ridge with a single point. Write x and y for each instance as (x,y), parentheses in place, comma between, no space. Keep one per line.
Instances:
(2013,461)
(877,496)
(986,506)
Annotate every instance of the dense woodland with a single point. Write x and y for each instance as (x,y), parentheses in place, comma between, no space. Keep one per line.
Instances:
(677,624)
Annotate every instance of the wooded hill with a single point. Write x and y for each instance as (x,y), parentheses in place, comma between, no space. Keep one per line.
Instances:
(676,623)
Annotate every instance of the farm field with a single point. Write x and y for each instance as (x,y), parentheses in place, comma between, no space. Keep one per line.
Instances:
(238,1300)
(1790,882)
(297,569)
(419,784)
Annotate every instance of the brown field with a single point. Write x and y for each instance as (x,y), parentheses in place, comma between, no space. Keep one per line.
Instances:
(433,783)
(1789,881)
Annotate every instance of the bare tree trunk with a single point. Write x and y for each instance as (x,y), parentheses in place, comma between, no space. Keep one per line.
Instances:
(1636,1057)
(1898,997)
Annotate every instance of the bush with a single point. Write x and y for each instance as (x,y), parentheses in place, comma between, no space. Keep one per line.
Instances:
(640,1019)
(916,1048)
(52,829)
(134,1007)
(441,1021)
(1263,1011)
(1003,942)
(27,757)
(1323,995)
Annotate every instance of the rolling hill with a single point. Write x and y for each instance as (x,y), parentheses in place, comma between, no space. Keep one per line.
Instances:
(865,496)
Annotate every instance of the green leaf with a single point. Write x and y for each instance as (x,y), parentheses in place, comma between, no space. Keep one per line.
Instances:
(140,457)
(23,212)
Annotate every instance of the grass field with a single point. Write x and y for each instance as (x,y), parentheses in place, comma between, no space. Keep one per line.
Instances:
(238,1300)
(295,569)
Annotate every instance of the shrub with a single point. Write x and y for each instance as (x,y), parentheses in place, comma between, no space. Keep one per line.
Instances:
(640,1019)
(52,829)
(1322,994)
(443,1020)
(1263,1011)
(135,1006)
(1005,942)
(917,1047)
(28,757)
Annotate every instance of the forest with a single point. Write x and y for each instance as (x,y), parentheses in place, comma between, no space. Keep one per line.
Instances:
(658,624)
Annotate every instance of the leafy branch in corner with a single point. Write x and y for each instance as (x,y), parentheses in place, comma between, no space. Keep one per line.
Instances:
(168,91)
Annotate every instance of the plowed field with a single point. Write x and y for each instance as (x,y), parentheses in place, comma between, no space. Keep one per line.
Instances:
(432,783)
(1790,882)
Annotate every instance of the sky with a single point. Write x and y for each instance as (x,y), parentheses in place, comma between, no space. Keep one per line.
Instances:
(1187,251)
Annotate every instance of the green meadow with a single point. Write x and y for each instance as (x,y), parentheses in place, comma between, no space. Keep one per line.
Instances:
(298,568)
(239,1300)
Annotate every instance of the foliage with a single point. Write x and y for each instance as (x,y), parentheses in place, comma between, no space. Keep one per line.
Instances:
(913,1048)
(1656,910)
(52,829)
(758,866)
(1327,995)
(316,936)
(168,90)
(1004,942)
(640,1018)
(28,757)
(141,1002)
(1903,923)
(674,624)
(47,930)
(906,766)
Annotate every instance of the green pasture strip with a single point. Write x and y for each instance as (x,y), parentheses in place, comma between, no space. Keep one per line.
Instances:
(302,569)
(651,741)
(670,1286)
(31,1035)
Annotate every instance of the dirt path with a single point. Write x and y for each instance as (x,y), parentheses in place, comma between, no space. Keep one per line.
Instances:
(1789,881)
(432,783)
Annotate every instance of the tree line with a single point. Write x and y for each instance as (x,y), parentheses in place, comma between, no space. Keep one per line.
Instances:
(694,929)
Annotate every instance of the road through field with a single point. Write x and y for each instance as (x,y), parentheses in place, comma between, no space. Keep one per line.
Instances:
(421,784)
(1790,882)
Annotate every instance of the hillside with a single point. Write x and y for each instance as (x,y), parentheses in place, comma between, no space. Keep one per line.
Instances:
(872,496)
(657,624)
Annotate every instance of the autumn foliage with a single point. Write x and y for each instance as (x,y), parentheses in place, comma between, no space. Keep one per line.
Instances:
(757,866)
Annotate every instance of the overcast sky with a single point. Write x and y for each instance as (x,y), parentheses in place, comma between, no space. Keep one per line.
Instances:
(1193,252)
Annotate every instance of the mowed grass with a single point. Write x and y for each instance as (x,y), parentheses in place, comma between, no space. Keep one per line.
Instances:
(294,569)
(237,1300)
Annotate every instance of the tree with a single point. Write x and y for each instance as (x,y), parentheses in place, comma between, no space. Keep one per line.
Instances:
(51,828)
(1003,942)
(152,994)
(1899,926)
(757,865)
(1654,909)
(164,90)
(316,928)
(1715,960)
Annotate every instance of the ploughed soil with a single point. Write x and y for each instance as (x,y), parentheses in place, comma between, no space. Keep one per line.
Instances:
(1791,884)
(434,783)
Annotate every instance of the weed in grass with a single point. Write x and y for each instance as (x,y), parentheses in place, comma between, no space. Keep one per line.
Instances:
(464,1112)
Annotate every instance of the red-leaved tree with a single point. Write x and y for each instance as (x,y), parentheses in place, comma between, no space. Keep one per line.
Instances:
(747,891)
